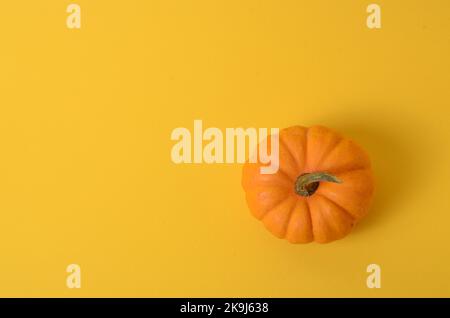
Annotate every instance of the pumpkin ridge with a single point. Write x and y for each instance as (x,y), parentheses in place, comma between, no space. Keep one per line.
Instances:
(280,168)
(345,170)
(351,216)
(284,173)
(350,166)
(286,224)
(310,218)
(306,151)
(284,143)
(253,180)
(297,202)
(322,159)
(330,151)
(273,208)
(332,227)
(341,172)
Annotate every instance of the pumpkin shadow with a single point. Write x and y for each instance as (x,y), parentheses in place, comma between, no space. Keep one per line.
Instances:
(392,155)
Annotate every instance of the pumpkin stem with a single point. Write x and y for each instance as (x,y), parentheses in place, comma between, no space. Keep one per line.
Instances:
(307,183)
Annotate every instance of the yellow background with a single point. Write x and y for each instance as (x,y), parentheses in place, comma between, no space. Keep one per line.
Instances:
(85,123)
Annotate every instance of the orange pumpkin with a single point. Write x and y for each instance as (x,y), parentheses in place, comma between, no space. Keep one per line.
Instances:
(323,187)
